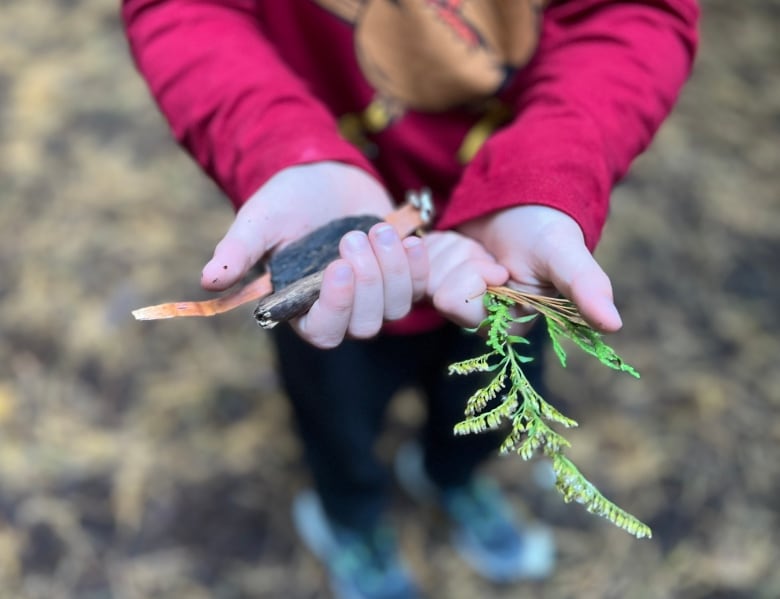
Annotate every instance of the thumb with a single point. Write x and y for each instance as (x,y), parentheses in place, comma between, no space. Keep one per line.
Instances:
(243,245)
(231,261)
(577,275)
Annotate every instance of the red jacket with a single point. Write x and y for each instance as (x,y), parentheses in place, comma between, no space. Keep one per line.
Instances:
(578,89)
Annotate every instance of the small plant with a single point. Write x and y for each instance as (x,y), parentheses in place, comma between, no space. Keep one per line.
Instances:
(520,404)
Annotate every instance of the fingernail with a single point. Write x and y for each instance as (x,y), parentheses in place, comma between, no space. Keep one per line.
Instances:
(386,235)
(616,315)
(412,243)
(356,241)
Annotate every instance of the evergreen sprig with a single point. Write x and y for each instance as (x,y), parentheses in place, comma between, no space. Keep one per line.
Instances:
(520,404)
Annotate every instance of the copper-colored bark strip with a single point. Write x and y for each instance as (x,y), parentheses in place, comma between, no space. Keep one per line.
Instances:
(258,288)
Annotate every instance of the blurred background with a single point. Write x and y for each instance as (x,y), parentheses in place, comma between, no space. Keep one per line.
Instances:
(156,460)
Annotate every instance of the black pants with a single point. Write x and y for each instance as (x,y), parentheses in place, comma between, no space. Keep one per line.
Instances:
(339,398)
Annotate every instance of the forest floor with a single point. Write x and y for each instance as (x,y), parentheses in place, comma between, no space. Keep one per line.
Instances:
(157,460)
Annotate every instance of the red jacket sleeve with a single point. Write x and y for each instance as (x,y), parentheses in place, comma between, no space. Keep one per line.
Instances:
(605,76)
(229,99)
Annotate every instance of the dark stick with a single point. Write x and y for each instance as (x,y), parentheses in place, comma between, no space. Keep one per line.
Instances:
(294,300)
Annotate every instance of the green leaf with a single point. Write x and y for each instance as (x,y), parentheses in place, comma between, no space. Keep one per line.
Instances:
(490,420)
(482,396)
(575,487)
(550,413)
(526,318)
(524,407)
(556,345)
(478,364)
(589,341)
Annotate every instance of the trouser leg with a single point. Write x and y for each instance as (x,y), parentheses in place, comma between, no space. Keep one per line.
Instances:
(339,398)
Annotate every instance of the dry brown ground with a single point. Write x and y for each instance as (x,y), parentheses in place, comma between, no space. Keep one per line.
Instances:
(156,461)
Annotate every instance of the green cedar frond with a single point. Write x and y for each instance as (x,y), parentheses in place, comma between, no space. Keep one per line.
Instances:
(564,320)
(550,413)
(488,420)
(588,341)
(499,321)
(527,448)
(575,487)
(514,439)
(522,405)
(483,395)
(478,364)
(554,443)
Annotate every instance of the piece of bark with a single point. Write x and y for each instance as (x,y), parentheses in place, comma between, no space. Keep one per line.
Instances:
(314,251)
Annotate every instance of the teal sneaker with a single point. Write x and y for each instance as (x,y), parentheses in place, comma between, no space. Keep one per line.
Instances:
(361,564)
(485,532)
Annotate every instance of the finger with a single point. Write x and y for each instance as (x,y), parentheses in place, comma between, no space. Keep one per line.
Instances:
(241,247)
(230,262)
(326,323)
(591,290)
(576,274)
(394,266)
(368,303)
(419,266)
(459,296)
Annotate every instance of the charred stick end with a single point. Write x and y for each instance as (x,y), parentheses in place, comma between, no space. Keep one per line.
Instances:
(292,301)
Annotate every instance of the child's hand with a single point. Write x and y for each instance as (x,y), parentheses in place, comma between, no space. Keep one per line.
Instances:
(448,267)
(544,251)
(291,204)
(460,272)
(378,276)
